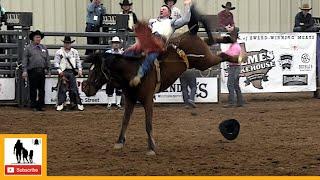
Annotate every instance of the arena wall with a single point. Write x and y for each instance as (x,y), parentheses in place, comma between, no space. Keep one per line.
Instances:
(250,15)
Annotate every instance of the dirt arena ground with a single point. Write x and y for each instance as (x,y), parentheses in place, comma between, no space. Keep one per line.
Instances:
(280,135)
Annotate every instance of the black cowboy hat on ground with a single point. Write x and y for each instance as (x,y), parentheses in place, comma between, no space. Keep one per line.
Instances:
(35,33)
(230,129)
(67,39)
(228,6)
(166,1)
(126,3)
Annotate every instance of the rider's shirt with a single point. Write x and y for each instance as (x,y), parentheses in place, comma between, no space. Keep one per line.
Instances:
(166,26)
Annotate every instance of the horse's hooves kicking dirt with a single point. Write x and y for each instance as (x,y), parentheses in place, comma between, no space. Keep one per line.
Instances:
(118,146)
(151,153)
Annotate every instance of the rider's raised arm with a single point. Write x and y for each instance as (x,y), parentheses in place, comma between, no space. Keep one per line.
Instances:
(178,23)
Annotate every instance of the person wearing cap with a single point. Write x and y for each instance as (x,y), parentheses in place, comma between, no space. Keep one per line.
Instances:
(225,19)
(304,21)
(35,63)
(115,49)
(126,7)
(95,12)
(175,12)
(67,61)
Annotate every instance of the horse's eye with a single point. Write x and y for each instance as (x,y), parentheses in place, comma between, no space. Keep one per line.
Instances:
(92,67)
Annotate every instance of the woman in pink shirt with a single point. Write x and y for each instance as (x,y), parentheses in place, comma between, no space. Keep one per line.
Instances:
(233,77)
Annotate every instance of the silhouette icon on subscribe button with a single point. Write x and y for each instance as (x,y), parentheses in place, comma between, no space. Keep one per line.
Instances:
(22,154)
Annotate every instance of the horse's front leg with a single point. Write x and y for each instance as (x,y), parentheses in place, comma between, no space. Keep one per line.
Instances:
(128,109)
(148,107)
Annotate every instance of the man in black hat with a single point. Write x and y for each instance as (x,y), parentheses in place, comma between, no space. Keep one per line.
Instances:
(126,7)
(35,63)
(175,12)
(67,61)
(95,12)
(225,18)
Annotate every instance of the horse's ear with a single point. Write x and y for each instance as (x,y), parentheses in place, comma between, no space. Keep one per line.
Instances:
(94,58)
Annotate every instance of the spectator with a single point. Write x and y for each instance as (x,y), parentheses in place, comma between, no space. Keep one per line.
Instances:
(225,19)
(35,62)
(175,12)
(67,60)
(115,49)
(304,21)
(188,80)
(126,7)
(234,76)
(95,12)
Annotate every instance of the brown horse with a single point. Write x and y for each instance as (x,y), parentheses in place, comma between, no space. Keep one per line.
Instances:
(119,70)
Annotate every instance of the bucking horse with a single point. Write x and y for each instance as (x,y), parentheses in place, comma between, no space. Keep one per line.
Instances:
(185,51)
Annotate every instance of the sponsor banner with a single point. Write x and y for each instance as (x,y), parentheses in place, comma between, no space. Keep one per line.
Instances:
(7,89)
(207,92)
(275,62)
(51,95)
(24,155)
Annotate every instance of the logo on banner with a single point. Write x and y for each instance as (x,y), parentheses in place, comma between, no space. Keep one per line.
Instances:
(306,66)
(257,66)
(202,91)
(295,80)
(23,156)
(286,61)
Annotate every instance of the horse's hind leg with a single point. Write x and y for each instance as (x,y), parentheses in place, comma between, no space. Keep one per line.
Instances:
(148,107)
(128,109)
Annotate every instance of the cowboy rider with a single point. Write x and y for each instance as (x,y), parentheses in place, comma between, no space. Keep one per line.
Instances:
(161,30)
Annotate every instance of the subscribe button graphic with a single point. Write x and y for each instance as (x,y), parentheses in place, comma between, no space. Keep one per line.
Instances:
(23,170)
(24,155)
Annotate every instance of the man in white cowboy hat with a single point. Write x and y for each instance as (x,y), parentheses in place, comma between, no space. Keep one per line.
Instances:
(126,7)
(225,19)
(67,61)
(304,21)
(115,49)
(35,63)
(175,12)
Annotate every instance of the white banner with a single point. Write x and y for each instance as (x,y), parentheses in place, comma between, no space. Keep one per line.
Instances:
(7,89)
(52,94)
(207,92)
(276,63)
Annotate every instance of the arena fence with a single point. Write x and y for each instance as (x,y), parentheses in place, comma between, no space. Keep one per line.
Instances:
(11,54)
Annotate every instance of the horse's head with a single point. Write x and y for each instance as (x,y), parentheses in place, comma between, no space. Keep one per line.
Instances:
(98,74)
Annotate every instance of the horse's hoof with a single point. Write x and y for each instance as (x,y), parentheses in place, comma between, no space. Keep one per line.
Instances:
(151,153)
(118,146)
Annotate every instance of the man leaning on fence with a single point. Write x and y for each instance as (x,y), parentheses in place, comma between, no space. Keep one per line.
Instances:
(95,11)
(35,63)
(67,61)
